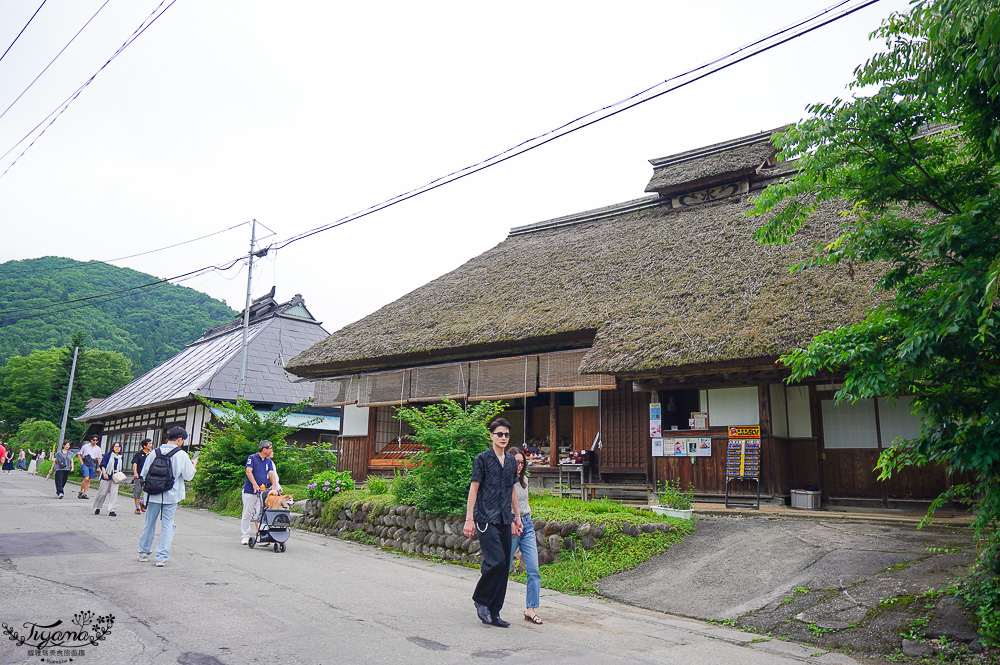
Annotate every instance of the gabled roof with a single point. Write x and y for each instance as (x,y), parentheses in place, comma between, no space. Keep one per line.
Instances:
(649,285)
(210,366)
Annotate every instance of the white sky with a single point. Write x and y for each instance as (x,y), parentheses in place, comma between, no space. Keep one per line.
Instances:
(298,113)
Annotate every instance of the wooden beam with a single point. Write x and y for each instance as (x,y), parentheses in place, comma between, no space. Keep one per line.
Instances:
(554,426)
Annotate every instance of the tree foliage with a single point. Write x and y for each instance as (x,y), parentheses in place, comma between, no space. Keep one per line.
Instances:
(147,326)
(37,435)
(452,437)
(916,164)
(223,456)
(35,386)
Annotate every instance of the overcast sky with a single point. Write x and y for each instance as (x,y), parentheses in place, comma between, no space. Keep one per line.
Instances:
(298,113)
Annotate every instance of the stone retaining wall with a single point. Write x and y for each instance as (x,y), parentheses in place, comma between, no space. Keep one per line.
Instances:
(409,530)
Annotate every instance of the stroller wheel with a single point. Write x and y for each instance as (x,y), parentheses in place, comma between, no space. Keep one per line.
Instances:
(282,547)
(251,543)
(276,547)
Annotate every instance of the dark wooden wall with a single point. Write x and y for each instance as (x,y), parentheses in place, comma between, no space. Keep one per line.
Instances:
(356,451)
(625,430)
(707,476)
(585,426)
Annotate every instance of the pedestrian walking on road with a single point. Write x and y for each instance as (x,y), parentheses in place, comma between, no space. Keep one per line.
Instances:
(33,464)
(526,541)
(90,454)
(260,471)
(162,497)
(8,462)
(63,464)
(112,475)
(492,510)
(137,461)
(22,462)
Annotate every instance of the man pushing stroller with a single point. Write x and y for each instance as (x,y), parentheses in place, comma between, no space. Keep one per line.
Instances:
(261,473)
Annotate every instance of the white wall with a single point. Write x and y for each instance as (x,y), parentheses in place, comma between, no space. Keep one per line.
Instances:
(799,418)
(733,406)
(354,420)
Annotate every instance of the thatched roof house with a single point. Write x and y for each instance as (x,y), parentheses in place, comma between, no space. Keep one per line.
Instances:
(634,319)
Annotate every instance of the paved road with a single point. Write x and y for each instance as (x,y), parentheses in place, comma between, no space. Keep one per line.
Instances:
(323,601)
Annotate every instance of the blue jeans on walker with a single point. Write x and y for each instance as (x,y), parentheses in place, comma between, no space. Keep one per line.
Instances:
(529,554)
(163,512)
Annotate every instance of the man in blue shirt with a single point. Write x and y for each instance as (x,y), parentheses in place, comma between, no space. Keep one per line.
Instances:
(260,470)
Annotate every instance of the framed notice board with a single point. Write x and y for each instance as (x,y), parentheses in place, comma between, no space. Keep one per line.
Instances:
(743,459)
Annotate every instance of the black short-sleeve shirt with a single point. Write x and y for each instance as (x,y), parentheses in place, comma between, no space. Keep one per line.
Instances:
(496,485)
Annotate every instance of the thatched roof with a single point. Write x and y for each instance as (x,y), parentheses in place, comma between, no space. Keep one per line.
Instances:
(650,285)
(705,166)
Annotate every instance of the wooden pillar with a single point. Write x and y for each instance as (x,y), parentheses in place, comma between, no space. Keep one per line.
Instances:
(554,427)
(766,440)
(816,422)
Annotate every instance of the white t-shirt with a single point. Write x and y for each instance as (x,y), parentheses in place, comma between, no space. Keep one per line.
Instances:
(92,450)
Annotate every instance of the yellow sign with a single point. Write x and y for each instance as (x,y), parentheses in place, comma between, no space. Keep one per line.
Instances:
(744,432)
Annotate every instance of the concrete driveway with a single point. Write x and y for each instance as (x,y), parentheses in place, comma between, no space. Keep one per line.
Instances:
(823,581)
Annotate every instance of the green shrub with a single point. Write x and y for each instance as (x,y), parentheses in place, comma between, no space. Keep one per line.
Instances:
(673,495)
(329,483)
(403,487)
(301,464)
(376,485)
(43,467)
(452,436)
(222,462)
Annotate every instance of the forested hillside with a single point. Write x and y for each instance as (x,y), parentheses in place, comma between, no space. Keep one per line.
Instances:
(147,326)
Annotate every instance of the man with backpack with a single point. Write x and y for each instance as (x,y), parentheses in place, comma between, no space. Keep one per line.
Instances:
(164,473)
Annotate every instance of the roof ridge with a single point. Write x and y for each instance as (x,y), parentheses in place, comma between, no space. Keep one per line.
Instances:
(634,205)
(704,151)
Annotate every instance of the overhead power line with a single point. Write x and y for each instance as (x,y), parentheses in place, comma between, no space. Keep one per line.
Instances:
(23,29)
(745,52)
(61,108)
(55,58)
(121,258)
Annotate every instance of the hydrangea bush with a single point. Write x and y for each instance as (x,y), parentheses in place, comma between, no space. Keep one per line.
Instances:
(329,483)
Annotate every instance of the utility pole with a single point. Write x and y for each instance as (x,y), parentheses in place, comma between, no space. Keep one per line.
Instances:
(69,393)
(241,387)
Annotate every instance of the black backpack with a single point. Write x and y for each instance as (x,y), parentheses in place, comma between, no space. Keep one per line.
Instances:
(160,477)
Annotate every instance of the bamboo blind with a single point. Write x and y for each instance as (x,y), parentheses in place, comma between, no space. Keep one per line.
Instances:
(338,391)
(560,372)
(504,378)
(385,388)
(432,384)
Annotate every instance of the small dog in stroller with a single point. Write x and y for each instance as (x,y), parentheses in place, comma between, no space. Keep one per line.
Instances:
(274,523)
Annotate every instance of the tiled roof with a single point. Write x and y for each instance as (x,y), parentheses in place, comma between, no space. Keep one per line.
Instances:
(210,367)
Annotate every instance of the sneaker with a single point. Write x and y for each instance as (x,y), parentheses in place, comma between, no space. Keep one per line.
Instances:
(142,506)
(246,539)
(112,514)
(143,557)
(161,564)
(79,495)
(97,511)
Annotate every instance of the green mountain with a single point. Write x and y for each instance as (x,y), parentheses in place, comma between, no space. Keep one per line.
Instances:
(147,326)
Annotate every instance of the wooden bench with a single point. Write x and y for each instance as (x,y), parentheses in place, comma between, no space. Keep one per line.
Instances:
(590,490)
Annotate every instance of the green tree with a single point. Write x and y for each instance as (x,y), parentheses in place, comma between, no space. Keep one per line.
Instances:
(915,164)
(37,435)
(25,386)
(222,460)
(452,437)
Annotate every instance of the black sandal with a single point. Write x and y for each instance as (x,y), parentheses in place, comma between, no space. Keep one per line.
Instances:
(533,619)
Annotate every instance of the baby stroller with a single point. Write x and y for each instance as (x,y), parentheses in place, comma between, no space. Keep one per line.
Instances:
(273,526)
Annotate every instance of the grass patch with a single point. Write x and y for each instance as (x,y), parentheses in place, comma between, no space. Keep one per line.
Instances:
(796,593)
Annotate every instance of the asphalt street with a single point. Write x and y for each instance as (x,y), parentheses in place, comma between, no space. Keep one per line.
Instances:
(322,601)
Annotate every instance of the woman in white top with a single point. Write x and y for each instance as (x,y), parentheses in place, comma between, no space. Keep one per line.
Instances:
(526,541)
(110,464)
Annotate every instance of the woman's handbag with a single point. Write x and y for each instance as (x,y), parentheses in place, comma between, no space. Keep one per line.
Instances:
(118,477)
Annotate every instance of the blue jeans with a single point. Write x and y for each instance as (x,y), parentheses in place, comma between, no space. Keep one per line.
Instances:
(165,513)
(529,554)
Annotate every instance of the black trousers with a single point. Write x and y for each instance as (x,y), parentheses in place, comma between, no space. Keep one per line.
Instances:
(61,477)
(494,546)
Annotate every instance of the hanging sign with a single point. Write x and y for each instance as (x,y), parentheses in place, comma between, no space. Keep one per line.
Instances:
(655,421)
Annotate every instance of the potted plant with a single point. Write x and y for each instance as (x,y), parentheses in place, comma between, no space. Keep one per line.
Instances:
(674,501)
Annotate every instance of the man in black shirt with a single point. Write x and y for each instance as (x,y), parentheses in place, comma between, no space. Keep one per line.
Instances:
(137,461)
(492,510)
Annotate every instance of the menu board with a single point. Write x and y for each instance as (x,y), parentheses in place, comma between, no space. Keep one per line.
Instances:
(743,452)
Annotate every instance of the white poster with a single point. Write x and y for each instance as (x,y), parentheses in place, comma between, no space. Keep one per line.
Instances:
(704,448)
(657,447)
